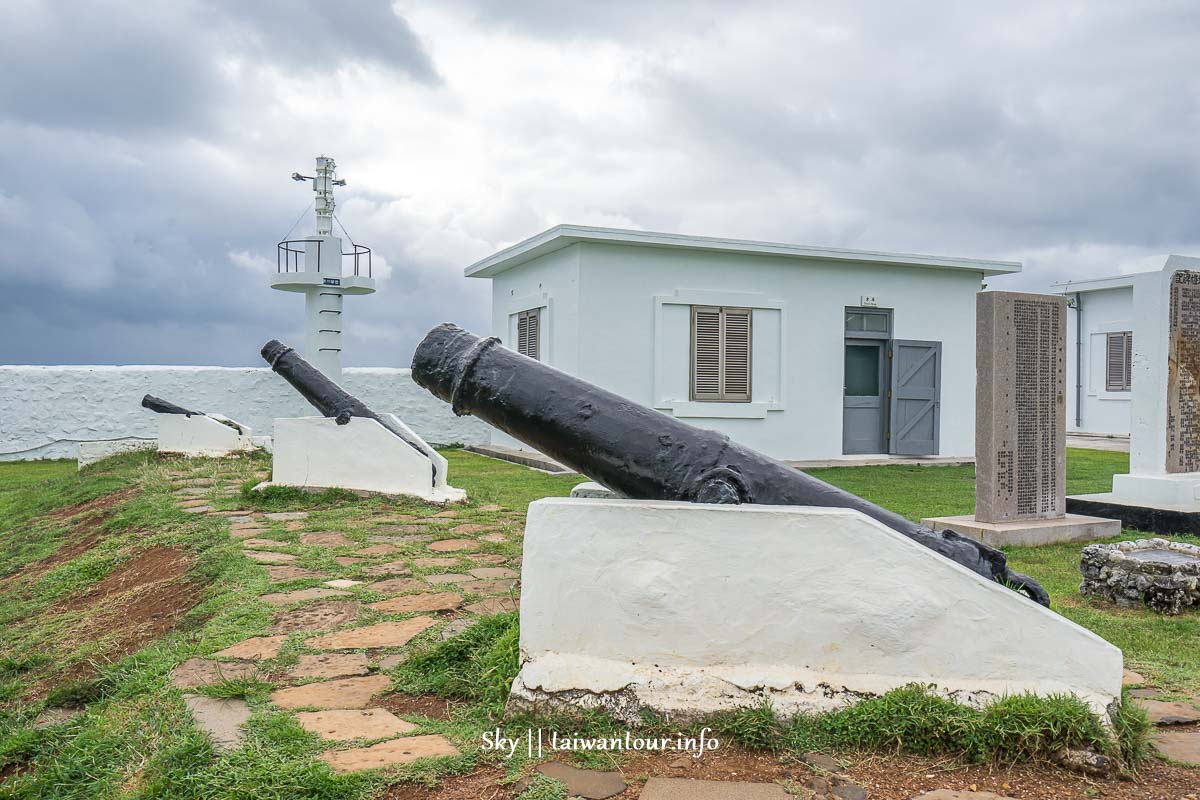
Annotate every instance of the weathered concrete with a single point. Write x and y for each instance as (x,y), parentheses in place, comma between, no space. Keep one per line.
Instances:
(687,609)
(330,665)
(1020,412)
(254,648)
(686,789)
(382,634)
(341,725)
(199,435)
(385,754)
(220,718)
(1029,533)
(341,693)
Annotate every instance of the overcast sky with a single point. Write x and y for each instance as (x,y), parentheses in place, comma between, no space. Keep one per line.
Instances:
(147,147)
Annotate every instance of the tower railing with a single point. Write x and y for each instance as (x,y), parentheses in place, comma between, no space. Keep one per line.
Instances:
(290,258)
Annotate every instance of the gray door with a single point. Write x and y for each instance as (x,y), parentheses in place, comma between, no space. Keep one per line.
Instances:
(915,397)
(862,401)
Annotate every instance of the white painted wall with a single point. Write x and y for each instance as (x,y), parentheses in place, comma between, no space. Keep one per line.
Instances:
(619,318)
(1103,311)
(361,455)
(692,608)
(45,411)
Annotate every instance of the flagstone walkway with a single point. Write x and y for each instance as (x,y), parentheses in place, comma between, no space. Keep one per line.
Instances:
(350,601)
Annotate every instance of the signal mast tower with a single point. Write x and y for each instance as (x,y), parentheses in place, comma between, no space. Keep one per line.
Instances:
(315,267)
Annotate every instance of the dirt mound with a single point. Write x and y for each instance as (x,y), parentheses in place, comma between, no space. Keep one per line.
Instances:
(106,503)
(86,532)
(141,600)
(145,570)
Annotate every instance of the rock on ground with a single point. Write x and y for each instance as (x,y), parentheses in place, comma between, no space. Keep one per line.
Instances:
(344,724)
(586,783)
(686,789)
(221,718)
(343,693)
(385,754)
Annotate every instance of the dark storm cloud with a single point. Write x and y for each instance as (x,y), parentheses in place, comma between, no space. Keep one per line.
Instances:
(136,67)
(147,147)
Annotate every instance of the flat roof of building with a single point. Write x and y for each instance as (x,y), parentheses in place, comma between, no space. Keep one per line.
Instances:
(1124,280)
(561,236)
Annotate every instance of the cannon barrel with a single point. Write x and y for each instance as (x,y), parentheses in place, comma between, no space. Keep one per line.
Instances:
(642,453)
(160,406)
(322,393)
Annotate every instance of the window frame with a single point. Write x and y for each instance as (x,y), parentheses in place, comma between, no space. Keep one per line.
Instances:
(1126,382)
(535,314)
(722,395)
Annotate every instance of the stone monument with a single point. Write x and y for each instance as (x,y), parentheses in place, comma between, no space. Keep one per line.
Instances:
(1020,427)
(1161,493)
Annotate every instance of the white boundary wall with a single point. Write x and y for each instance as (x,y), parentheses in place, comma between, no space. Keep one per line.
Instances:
(46,411)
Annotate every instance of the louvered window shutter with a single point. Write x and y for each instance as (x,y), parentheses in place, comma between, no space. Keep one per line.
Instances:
(534,325)
(529,330)
(736,355)
(1118,360)
(721,362)
(706,353)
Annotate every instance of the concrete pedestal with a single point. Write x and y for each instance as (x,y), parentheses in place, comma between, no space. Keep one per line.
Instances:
(1029,532)
(362,455)
(689,609)
(202,435)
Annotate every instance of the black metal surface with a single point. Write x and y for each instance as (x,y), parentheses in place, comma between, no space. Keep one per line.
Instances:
(1141,518)
(323,394)
(642,453)
(160,406)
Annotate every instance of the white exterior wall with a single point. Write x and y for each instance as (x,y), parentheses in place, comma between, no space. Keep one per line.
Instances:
(45,411)
(550,283)
(619,318)
(1103,311)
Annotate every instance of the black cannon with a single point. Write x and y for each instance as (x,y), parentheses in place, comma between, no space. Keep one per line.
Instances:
(160,406)
(323,394)
(642,453)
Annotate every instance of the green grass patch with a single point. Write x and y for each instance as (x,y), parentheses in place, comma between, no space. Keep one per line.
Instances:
(136,739)
(479,664)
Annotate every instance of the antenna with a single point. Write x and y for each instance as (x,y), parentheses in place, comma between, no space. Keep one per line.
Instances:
(315,265)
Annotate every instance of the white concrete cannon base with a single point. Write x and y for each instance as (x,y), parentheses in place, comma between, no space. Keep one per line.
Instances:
(688,609)
(362,455)
(201,435)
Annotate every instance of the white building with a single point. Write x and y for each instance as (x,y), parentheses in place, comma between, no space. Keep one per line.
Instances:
(800,352)
(1101,337)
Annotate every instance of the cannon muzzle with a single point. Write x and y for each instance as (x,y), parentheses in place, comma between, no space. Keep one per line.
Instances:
(642,453)
(160,406)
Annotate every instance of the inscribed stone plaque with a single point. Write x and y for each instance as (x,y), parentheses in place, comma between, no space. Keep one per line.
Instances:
(1183,374)
(1020,410)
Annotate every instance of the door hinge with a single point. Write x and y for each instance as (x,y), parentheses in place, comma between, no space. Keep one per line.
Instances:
(889,352)
(889,394)
(888,436)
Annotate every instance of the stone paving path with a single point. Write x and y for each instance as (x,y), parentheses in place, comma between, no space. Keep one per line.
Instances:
(345,606)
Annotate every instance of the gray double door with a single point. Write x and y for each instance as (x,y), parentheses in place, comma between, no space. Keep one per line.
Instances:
(891,396)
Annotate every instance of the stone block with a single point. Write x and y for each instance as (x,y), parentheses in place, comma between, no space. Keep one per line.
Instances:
(1029,533)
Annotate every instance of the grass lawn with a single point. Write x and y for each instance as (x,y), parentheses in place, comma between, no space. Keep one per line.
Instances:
(61,646)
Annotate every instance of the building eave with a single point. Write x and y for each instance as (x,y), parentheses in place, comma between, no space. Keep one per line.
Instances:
(561,236)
